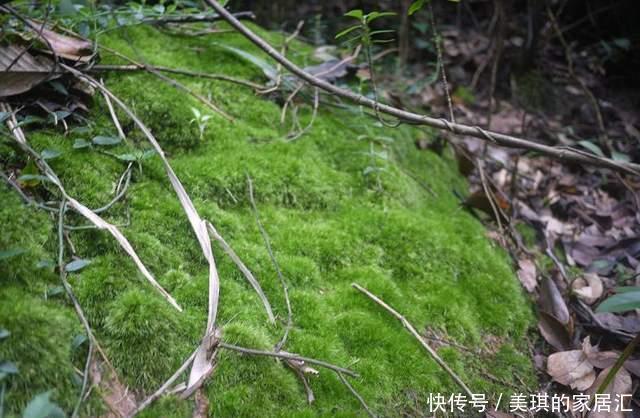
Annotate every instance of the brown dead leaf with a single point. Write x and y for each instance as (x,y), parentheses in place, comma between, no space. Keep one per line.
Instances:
(24,74)
(552,302)
(115,395)
(571,368)
(554,332)
(527,274)
(69,47)
(588,287)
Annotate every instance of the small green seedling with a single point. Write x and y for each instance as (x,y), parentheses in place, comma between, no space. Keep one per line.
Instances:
(201,120)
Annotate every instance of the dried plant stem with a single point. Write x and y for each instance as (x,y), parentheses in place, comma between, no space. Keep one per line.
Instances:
(560,153)
(288,356)
(619,363)
(170,81)
(165,386)
(356,394)
(112,112)
(143,67)
(44,167)
(243,268)
(415,333)
(202,364)
(267,243)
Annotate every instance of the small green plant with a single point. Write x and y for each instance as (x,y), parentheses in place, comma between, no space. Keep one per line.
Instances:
(362,30)
(366,37)
(201,120)
(378,154)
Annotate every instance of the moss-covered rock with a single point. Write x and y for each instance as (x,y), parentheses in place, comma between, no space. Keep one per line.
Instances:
(330,222)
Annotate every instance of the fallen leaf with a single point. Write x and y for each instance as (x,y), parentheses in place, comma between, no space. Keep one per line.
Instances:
(114,394)
(26,72)
(69,47)
(571,368)
(554,332)
(588,287)
(527,274)
(552,302)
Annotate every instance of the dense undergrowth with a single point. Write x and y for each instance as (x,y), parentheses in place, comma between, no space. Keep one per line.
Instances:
(330,225)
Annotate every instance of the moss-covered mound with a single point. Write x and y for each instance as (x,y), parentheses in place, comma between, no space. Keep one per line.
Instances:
(339,205)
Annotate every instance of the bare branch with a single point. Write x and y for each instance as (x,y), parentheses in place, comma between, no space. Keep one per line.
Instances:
(288,356)
(415,333)
(561,153)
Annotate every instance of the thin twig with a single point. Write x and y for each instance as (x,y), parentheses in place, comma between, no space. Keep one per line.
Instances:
(194,18)
(243,268)
(142,67)
(288,356)
(267,243)
(112,112)
(561,153)
(314,113)
(165,386)
(76,305)
(202,364)
(356,394)
(172,82)
(44,167)
(415,333)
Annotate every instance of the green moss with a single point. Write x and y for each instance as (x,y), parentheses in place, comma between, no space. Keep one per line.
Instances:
(329,226)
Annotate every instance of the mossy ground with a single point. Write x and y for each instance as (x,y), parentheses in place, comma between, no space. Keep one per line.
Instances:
(330,225)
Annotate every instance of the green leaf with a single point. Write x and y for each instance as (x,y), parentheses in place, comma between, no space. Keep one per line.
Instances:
(127,157)
(415,6)
(42,407)
(55,291)
(58,86)
(591,147)
(619,156)
(81,143)
(11,252)
(78,340)
(621,302)
(32,179)
(76,265)
(347,30)
(267,69)
(66,8)
(627,289)
(376,15)
(106,140)
(7,367)
(355,13)
(45,264)
(50,154)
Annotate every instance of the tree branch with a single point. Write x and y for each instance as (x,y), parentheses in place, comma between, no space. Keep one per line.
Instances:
(560,153)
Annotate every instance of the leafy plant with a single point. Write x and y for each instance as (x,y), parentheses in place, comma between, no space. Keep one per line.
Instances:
(362,29)
(201,120)
(627,299)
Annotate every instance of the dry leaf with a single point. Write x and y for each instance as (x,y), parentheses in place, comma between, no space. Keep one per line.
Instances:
(114,394)
(27,71)
(554,332)
(527,274)
(571,368)
(551,301)
(69,47)
(588,287)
